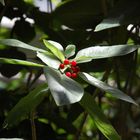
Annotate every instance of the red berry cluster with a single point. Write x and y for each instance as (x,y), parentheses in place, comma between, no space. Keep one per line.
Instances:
(73,69)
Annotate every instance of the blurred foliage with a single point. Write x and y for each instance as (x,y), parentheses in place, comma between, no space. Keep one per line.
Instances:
(82,23)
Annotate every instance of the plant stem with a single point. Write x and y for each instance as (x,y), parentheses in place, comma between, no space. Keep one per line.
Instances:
(133,71)
(33,127)
(104,7)
(36,77)
(104,78)
(117,73)
(29,80)
(77,136)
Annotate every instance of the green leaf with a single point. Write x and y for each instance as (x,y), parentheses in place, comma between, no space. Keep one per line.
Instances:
(105,87)
(98,52)
(19,44)
(99,118)
(70,50)
(54,50)
(49,59)
(106,24)
(57,45)
(64,90)
(25,106)
(124,13)
(78,14)
(83,59)
(2,1)
(19,62)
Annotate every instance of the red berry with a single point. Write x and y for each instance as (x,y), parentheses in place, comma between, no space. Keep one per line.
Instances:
(61,66)
(77,69)
(73,69)
(74,75)
(66,62)
(68,74)
(73,63)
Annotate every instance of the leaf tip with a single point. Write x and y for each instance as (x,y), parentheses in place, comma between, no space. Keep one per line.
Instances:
(5,124)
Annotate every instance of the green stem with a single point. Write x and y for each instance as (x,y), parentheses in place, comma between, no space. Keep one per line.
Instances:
(104,78)
(133,71)
(33,127)
(78,134)
(96,92)
(36,77)
(117,73)
(29,80)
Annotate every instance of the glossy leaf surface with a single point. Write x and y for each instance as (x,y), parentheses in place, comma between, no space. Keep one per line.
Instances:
(64,90)
(105,87)
(58,53)
(70,50)
(19,62)
(49,59)
(98,52)
(17,43)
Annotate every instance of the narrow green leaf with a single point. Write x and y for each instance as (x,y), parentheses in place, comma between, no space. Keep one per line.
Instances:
(123,13)
(2,1)
(99,118)
(24,107)
(106,24)
(70,50)
(19,44)
(19,62)
(54,50)
(64,90)
(98,52)
(83,59)
(49,59)
(105,87)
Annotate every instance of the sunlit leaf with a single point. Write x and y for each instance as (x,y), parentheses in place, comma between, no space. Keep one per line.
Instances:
(106,24)
(57,45)
(99,118)
(19,44)
(54,50)
(64,90)
(25,106)
(98,52)
(49,59)
(83,59)
(105,87)
(70,50)
(19,62)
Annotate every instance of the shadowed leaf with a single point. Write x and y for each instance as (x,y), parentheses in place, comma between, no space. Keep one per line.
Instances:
(124,13)
(25,106)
